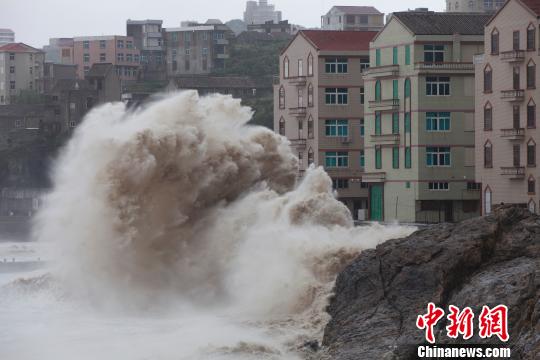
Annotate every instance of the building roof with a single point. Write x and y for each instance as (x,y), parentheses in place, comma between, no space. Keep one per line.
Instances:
(220,82)
(7,30)
(534,5)
(99,70)
(328,40)
(358,10)
(18,47)
(438,23)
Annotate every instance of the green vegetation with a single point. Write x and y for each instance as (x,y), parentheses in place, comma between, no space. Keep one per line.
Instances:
(263,111)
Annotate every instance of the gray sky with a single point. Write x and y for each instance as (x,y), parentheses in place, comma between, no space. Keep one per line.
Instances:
(35,21)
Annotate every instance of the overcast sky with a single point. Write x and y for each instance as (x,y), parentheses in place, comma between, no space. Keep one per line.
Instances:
(35,21)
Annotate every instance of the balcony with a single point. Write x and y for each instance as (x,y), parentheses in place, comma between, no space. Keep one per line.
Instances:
(299,144)
(383,71)
(374,177)
(386,139)
(514,172)
(344,173)
(513,134)
(513,95)
(512,56)
(299,81)
(445,67)
(221,42)
(382,105)
(299,112)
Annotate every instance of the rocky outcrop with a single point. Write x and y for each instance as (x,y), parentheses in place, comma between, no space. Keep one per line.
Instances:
(484,261)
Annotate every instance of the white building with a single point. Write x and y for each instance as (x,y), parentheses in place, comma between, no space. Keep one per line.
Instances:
(474,5)
(6,36)
(260,13)
(354,18)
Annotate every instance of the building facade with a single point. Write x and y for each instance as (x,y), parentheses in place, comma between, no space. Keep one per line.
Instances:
(59,51)
(197,49)
(474,5)
(148,38)
(117,50)
(419,113)
(506,98)
(21,69)
(359,18)
(7,36)
(318,106)
(260,13)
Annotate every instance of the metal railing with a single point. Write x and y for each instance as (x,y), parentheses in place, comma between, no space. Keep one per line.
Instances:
(468,66)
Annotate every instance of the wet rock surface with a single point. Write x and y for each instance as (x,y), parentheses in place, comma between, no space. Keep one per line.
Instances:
(484,261)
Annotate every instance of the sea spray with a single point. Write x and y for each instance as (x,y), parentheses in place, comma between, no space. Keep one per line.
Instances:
(183,211)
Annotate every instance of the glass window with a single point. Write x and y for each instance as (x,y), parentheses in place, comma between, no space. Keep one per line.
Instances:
(437,86)
(378,57)
(86,44)
(494,42)
(395,123)
(378,90)
(362,128)
(362,159)
(438,156)
(488,116)
(339,159)
(120,44)
(407,123)
(488,79)
(531,116)
(407,55)
(488,155)
(531,75)
(438,121)
(531,38)
(531,154)
(438,186)
(395,157)
(395,90)
(434,53)
(378,128)
(407,88)
(334,128)
(408,160)
(378,157)
(364,63)
(362,95)
(86,57)
(336,65)
(395,56)
(102,44)
(337,96)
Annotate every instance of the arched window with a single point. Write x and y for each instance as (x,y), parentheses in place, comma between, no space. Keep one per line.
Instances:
(282,126)
(531,114)
(310,127)
(378,90)
(488,117)
(310,65)
(310,95)
(531,153)
(310,157)
(300,97)
(531,185)
(531,74)
(488,155)
(532,206)
(300,129)
(495,42)
(487,200)
(407,88)
(488,79)
(282,97)
(286,67)
(531,37)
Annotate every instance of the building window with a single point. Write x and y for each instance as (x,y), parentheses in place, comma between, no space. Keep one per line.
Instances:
(438,156)
(102,44)
(488,79)
(187,51)
(408,123)
(310,95)
(531,186)
(337,96)
(517,155)
(531,114)
(488,117)
(531,38)
(515,40)
(362,128)
(488,155)
(395,123)
(310,127)
(340,184)
(395,55)
(12,69)
(336,65)
(474,186)
(364,64)
(282,97)
(395,157)
(407,88)
(531,75)
(516,117)
(86,69)
(339,159)
(362,95)
(129,57)
(378,57)
(516,78)
(286,67)
(495,42)
(378,126)
(438,186)
(532,206)
(86,58)
(407,54)
(300,67)
(395,89)
(433,53)
(187,64)
(310,157)
(438,121)
(86,44)
(282,126)
(487,201)
(378,90)
(531,153)
(11,56)
(300,98)
(408,158)
(102,57)
(362,159)
(336,128)
(129,44)
(310,65)
(378,157)
(120,44)
(437,86)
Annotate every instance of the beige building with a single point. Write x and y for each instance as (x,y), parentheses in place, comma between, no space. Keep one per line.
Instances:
(318,106)
(21,69)
(354,18)
(506,98)
(474,5)
(7,36)
(419,116)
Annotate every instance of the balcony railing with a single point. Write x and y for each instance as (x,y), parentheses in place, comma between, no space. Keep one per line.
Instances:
(297,80)
(386,139)
(298,112)
(513,172)
(374,177)
(383,71)
(345,172)
(444,66)
(299,143)
(513,95)
(385,104)
(513,56)
(513,134)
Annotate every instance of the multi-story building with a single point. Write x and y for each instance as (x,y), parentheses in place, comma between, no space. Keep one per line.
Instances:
(419,114)
(53,72)
(318,106)
(7,36)
(148,38)
(59,51)
(269,27)
(362,18)
(259,13)
(21,69)
(506,98)
(117,50)
(474,5)
(197,49)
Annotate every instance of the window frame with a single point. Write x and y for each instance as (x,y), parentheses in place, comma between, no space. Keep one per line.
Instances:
(438,83)
(437,156)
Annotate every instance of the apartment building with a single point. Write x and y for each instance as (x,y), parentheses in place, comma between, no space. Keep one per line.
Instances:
(21,69)
(318,106)
(488,6)
(419,116)
(148,38)
(197,49)
(359,18)
(7,36)
(261,12)
(506,98)
(119,51)
(59,51)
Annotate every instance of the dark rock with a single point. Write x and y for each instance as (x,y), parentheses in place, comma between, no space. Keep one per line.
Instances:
(484,261)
